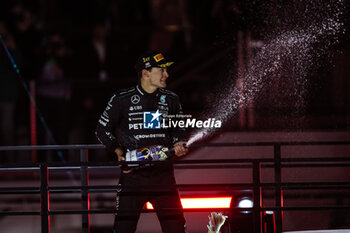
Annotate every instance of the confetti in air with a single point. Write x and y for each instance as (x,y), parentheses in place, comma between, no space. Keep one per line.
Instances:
(289,55)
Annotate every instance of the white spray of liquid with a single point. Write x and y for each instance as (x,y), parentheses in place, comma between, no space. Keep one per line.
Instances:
(300,47)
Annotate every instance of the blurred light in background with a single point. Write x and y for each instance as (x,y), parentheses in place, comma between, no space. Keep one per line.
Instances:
(201,203)
(245,203)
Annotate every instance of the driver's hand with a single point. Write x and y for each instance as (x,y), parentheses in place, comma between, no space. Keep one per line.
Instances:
(119,152)
(179,149)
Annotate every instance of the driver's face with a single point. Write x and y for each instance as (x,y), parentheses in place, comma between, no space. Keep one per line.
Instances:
(158,77)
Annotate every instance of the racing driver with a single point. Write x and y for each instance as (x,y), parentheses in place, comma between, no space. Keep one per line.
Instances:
(132,121)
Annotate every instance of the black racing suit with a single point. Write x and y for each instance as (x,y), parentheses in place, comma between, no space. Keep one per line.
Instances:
(122,125)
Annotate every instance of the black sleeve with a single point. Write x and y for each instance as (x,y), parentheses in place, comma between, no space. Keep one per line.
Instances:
(106,125)
(179,134)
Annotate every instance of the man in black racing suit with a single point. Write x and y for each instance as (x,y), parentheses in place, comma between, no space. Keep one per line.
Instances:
(121,128)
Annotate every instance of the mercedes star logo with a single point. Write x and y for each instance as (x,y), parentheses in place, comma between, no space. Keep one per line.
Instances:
(135,99)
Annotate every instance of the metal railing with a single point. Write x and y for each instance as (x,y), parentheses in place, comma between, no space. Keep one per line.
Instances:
(256,186)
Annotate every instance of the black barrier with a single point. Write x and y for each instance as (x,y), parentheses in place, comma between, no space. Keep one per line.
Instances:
(263,217)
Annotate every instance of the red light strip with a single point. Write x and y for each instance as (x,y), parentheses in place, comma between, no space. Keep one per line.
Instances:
(201,203)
